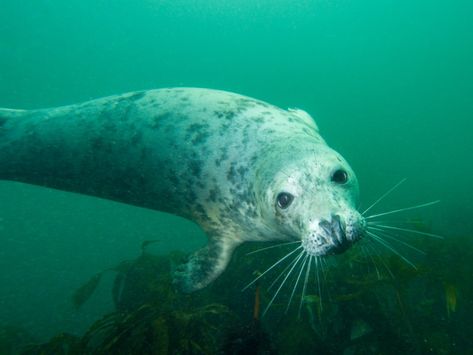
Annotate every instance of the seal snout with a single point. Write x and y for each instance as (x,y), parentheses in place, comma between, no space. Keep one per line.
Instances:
(335,232)
(332,236)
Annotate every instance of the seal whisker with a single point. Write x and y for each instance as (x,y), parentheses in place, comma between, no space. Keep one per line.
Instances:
(272,266)
(408,230)
(324,266)
(394,221)
(383,196)
(297,281)
(317,279)
(283,282)
(366,252)
(396,238)
(388,246)
(307,273)
(271,247)
(380,257)
(403,209)
(282,273)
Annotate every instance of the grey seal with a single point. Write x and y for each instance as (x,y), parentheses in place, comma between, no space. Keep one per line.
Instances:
(242,169)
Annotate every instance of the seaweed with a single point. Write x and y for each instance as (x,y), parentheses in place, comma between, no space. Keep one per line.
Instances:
(61,344)
(123,269)
(150,317)
(149,330)
(251,338)
(367,304)
(13,339)
(83,293)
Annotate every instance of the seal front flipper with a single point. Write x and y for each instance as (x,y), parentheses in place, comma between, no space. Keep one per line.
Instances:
(205,265)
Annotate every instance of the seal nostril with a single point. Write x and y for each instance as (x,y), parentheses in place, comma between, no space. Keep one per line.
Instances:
(338,229)
(335,218)
(326,226)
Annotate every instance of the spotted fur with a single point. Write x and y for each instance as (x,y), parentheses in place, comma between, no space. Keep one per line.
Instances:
(214,157)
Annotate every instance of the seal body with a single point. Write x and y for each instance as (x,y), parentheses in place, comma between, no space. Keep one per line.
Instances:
(242,169)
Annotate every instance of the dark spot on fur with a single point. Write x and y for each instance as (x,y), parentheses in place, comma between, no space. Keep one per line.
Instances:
(242,170)
(196,127)
(158,120)
(201,184)
(191,196)
(231,173)
(200,137)
(200,210)
(136,96)
(195,167)
(197,133)
(116,111)
(227,115)
(223,128)
(308,131)
(213,194)
(223,156)
(245,103)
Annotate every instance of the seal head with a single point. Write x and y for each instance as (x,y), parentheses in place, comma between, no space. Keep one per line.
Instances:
(313,199)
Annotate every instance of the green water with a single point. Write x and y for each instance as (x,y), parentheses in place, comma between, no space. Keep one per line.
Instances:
(390,84)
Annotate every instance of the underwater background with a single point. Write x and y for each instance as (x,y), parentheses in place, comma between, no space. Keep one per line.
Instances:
(389,83)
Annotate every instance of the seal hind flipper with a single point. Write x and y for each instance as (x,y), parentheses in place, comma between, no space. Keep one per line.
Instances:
(204,266)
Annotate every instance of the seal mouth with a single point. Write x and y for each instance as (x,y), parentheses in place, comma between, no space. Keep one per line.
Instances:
(331,237)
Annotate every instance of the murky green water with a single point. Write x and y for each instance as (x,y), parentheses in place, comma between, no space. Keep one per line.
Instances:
(390,84)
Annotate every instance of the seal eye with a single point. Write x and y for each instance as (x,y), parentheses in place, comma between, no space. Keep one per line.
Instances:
(284,199)
(340,176)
